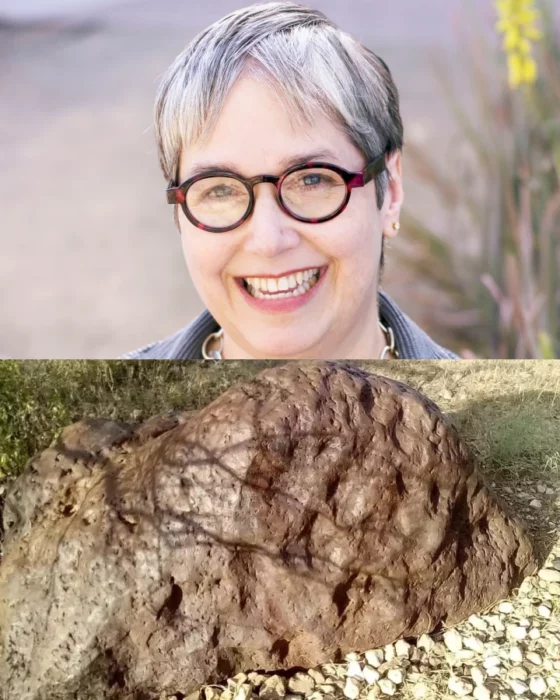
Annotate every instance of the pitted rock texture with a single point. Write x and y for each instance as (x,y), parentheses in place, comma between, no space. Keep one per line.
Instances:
(312,511)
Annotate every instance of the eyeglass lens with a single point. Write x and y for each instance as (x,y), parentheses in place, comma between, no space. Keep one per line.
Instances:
(312,193)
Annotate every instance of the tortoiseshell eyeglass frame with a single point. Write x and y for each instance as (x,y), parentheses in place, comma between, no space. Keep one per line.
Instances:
(178,194)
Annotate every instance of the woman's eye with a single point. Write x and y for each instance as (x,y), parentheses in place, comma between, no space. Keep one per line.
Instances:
(312,179)
(221,191)
(316,179)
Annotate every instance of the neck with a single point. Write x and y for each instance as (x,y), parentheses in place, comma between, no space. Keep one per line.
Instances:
(365,341)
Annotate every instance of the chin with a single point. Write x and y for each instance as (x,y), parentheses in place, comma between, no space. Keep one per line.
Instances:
(281,349)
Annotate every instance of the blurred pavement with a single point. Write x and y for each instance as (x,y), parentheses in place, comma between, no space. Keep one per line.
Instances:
(90,261)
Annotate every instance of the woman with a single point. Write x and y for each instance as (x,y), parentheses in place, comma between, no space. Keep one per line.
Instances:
(281,138)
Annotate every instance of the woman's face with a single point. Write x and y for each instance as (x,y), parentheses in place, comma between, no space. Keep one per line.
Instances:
(337,316)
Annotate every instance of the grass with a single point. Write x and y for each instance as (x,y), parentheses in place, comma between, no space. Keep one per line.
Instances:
(37,399)
(508,412)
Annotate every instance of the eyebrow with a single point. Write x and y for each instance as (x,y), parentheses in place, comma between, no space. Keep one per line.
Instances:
(285,163)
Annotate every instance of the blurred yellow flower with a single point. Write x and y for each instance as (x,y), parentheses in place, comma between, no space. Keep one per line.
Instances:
(517,24)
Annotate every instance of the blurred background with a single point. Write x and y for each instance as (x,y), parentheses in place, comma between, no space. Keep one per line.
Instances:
(91,264)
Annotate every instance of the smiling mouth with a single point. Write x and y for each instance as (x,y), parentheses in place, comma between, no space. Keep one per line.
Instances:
(292,285)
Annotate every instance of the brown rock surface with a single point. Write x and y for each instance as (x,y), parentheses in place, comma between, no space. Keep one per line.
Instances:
(312,511)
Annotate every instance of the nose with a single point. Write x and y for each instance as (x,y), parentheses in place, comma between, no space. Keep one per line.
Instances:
(269,230)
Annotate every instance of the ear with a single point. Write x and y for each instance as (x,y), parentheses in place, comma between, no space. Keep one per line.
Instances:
(394,197)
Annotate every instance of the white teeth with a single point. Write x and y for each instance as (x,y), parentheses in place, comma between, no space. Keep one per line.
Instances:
(282,287)
(283,284)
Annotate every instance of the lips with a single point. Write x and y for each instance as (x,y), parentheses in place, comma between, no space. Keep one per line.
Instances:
(283,287)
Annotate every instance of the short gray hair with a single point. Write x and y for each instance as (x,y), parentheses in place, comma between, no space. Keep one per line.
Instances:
(297,50)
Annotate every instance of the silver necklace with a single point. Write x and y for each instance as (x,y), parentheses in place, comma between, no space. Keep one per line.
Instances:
(219,335)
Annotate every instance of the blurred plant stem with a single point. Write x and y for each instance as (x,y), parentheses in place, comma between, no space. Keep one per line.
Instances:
(499,268)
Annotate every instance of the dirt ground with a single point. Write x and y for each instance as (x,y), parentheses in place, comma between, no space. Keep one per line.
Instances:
(90,262)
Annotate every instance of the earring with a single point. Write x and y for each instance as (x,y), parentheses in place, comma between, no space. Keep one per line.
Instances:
(396,225)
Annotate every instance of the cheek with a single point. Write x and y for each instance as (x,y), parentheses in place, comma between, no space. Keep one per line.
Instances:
(206,255)
(355,246)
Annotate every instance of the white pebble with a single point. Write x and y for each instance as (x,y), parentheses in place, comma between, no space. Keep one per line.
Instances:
(474,644)
(518,633)
(541,488)
(505,607)
(351,688)
(544,611)
(491,661)
(459,687)
(478,623)
(535,503)
(301,683)
(516,655)
(402,648)
(519,673)
(395,675)
(481,692)
(549,575)
(496,622)
(453,640)
(518,687)
(387,687)
(243,692)
(352,656)
(534,633)
(534,658)
(371,676)
(425,642)
(354,670)
(524,622)
(389,652)
(537,685)
(478,675)
(316,675)
(494,671)
(374,657)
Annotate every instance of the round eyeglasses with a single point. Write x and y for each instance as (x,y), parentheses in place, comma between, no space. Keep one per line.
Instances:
(314,192)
